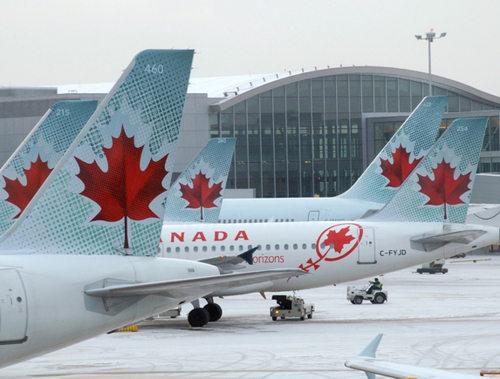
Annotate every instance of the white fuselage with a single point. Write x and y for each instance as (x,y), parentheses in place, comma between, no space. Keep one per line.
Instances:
(383,247)
(43,306)
(295,209)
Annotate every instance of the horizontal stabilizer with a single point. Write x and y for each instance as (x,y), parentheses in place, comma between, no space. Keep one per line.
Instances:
(433,242)
(183,287)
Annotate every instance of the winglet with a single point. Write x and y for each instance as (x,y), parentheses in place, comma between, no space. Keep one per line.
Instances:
(371,348)
(248,255)
(369,351)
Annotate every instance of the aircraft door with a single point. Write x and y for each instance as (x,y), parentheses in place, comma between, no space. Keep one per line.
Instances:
(313,216)
(366,248)
(13,308)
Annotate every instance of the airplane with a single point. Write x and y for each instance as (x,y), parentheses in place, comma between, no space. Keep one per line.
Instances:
(369,193)
(81,259)
(367,362)
(30,164)
(196,195)
(419,224)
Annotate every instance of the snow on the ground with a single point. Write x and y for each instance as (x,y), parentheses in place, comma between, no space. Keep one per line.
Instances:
(442,321)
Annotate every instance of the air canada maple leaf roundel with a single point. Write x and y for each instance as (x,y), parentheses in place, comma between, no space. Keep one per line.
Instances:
(335,243)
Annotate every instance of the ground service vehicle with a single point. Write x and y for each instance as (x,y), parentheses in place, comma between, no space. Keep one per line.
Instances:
(357,295)
(291,306)
(433,267)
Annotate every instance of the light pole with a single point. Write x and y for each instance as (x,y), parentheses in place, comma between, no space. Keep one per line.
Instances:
(429,37)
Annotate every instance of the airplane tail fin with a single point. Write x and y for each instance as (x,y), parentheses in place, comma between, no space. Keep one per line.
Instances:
(107,194)
(32,162)
(439,188)
(196,196)
(401,154)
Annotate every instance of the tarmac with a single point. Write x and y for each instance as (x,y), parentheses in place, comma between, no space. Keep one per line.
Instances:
(449,322)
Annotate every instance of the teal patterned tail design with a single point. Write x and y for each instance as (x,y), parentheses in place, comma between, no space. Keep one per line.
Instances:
(107,194)
(196,196)
(439,188)
(24,172)
(401,154)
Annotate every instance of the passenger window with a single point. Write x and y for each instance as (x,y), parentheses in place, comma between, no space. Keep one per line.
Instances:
(239,221)
(260,248)
(177,249)
(241,247)
(276,247)
(249,247)
(222,248)
(322,245)
(195,249)
(214,248)
(313,246)
(286,220)
(231,248)
(295,246)
(268,247)
(228,221)
(285,246)
(205,248)
(260,220)
(304,246)
(186,249)
(169,249)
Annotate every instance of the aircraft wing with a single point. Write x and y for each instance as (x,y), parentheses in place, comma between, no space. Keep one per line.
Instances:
(366,361)
(228,263)
(432,242)
(182,287)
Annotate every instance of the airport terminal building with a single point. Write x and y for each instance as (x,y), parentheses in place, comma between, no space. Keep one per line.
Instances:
(299,134)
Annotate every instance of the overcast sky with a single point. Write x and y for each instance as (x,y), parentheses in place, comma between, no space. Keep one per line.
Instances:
(48,42)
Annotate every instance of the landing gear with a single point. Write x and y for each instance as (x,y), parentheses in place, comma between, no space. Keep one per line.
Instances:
(214,310)
(201,316)
(198,317)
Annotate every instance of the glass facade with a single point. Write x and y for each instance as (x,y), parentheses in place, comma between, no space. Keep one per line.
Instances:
(308,138)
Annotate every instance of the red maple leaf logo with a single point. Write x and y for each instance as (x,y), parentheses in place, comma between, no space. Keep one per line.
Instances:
(401,167)
(338,239)
(201,195)
(20,195)
(444,189)
(124,191)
